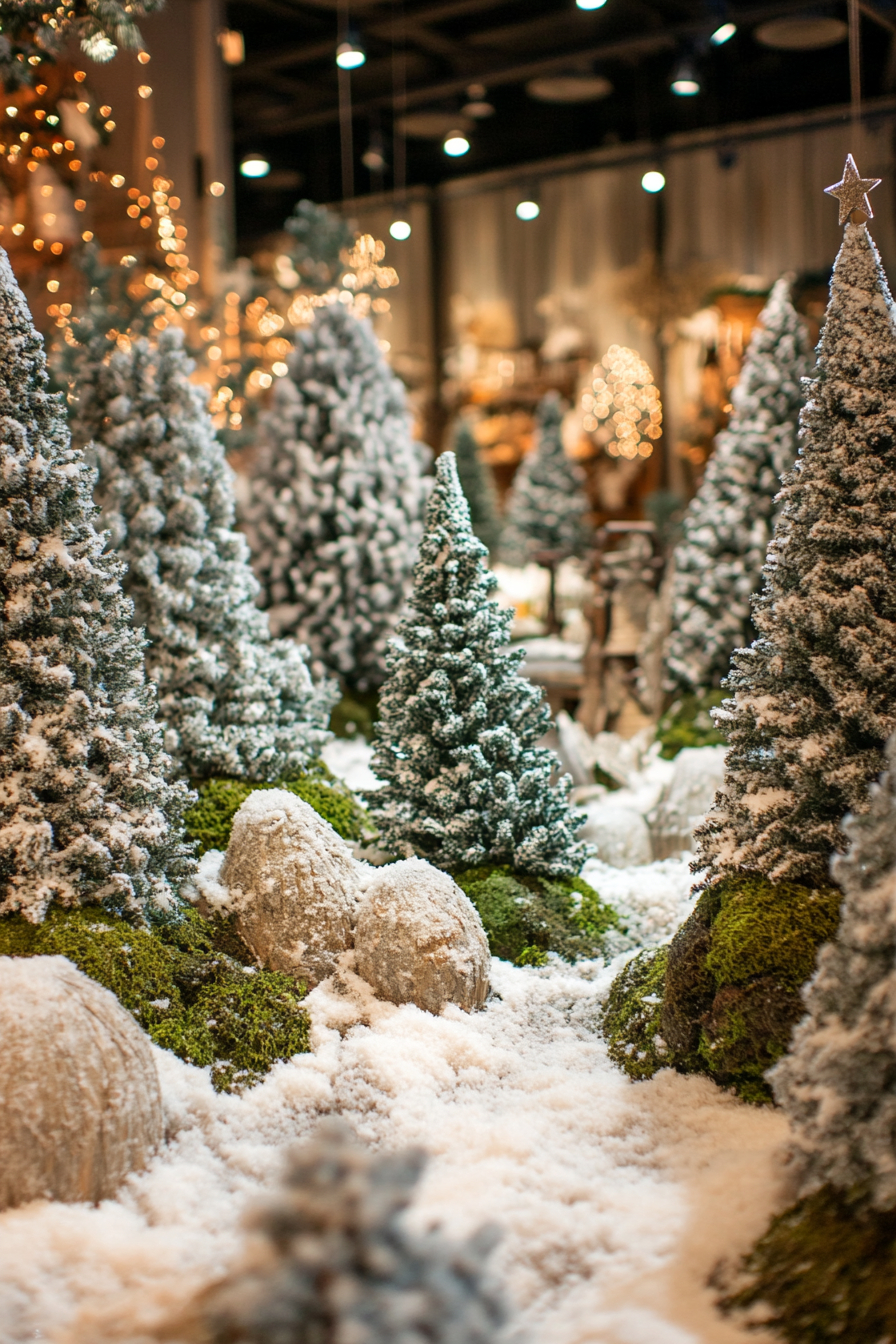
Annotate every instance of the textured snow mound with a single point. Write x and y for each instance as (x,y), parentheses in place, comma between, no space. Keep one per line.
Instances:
(698,776)
(292,882)
(79,1091)
(619,833)
(419,939)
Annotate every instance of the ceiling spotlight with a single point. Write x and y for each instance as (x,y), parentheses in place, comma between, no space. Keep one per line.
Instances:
(254,165)
(400,229)
(528,210)
(653,181)
(455,144)
(723,34)
(374,159)
(685,83)
(350,54)
(590,4)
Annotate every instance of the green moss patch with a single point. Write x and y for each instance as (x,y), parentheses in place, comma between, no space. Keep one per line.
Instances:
(687,723)
(189,982)
(731,988)
(354,714)
(525,915)
(631,1016)
(210,819)
(824,1273)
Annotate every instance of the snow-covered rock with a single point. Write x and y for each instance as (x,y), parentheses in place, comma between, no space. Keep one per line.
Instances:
(419,939)
(620,833)
(698,775)
(292,882)
(80,1102)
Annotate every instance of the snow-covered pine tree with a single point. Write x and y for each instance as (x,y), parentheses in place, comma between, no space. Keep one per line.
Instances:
(547,508)
(728,526)
(478,485)
(838,1083)
(336,502)
(814,698)
(233,701)
(85,813)
(465,781)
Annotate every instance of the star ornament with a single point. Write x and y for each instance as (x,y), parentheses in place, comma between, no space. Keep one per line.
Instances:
(852,191)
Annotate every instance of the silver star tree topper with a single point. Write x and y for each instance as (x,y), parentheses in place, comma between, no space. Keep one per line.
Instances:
(852,191)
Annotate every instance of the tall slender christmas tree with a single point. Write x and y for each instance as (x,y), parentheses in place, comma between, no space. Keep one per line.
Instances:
(547,508)
(814,698)
(478,486)
(838,1083)
(465,781)
(337,497)
(233,702)
(727,529)
(85,813)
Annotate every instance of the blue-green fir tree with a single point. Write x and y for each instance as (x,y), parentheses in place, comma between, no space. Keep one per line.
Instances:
(457,740)
(233,701)
(85,812)
(547,508)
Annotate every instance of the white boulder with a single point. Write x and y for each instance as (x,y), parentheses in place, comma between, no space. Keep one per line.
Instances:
(698,775)
(419,939)
(620,833)
(80,1103)
(292,883)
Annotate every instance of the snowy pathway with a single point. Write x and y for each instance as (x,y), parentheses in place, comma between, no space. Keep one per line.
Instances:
(616,1200)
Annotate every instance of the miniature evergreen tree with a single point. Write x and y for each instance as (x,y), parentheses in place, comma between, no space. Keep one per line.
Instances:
(718,563)
(336,503)
(478,486)
(815,696)
(547,508)
(838,1083)
(233,702)
(30,29)
(465,781)
(85,813)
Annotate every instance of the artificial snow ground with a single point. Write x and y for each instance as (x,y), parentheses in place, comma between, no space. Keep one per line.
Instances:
(617,1201)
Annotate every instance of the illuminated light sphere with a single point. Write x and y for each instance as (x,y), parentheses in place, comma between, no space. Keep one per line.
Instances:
(254,165)
(653,181)
(685,83)
(456,144)
(622,408)
(216,189)
(400,229)
(723,34)
(350,55)
(528,210)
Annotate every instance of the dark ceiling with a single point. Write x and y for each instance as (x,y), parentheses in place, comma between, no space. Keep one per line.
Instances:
(286,93)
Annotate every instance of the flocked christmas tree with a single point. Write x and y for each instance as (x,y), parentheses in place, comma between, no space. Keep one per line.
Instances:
(465,781)
(233,701)
(30,30)
(85,813)
(814,698)
(838,1083)
(547,508)
(728,526)
(478,486)
(337,494)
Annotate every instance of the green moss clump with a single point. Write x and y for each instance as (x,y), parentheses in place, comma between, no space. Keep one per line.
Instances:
(631,1016)
(355,714)
(189,982)
(210,819)
(731,989)
(687,723)
(523,915)
(824,1273)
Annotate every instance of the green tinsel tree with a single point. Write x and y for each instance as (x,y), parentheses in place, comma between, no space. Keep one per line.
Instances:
(465,781)
(478,485)
(85,813)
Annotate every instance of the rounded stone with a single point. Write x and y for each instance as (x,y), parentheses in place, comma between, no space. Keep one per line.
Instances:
(293,884)
(80,1102)
(419,939)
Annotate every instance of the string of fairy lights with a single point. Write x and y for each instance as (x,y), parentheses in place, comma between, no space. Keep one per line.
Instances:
(622,410)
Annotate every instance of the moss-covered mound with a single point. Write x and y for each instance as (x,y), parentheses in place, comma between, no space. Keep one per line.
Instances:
(526,917)
(687,723)
(210,819)
(730,991)
(631,1016)
(824,1273)
(189,982)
